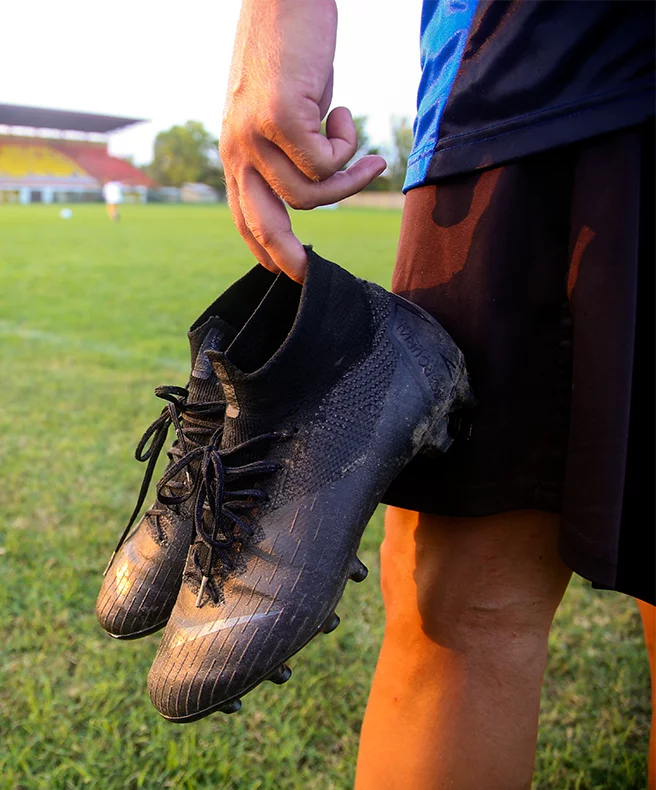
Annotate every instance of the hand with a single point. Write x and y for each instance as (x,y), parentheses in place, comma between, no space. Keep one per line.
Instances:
(271,144)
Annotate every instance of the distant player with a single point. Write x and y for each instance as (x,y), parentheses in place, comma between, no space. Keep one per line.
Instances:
(113,194)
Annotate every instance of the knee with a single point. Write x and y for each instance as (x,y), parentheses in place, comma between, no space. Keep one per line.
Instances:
(469,585)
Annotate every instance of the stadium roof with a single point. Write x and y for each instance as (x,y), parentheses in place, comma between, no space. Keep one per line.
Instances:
(65,120)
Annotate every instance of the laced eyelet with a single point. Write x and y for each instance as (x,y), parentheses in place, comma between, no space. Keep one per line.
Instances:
(152,442)
(225,503)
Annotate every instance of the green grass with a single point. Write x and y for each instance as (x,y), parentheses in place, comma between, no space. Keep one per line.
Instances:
(92,317)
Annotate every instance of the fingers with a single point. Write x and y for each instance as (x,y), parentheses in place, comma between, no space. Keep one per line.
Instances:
(259,253)
(317,156)
(342,136)
(261,216)
(256,194)
(300,192)
(289,160)
(327,95)
(269,230)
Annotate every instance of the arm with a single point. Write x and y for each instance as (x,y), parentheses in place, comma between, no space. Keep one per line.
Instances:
(271,144)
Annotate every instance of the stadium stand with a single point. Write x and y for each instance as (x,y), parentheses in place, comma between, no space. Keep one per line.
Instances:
(24,160)
(39,168)
(95,160)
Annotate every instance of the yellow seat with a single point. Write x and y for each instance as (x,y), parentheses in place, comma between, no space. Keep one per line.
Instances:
(20,161)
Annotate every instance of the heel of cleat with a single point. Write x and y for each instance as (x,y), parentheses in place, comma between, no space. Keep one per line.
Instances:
(331,624)
(465,398)
(358,571)
(280,675)
(231,707)
(439,436)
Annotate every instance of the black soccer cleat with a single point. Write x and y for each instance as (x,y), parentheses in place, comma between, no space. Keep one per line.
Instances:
(143,576)
(331,388)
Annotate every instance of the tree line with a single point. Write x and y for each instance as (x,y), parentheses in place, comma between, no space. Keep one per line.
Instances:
(189,154)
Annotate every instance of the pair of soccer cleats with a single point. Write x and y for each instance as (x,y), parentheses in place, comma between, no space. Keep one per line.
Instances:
(303,405)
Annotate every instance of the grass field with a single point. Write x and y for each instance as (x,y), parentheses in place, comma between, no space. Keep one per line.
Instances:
(92,317)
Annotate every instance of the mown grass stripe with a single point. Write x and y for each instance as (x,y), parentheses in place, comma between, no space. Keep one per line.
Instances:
(71,343)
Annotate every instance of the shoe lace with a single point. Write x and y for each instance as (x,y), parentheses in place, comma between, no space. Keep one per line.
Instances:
(228,506)
(189,437)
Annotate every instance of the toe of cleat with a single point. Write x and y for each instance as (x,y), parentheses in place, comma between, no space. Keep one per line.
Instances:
(280,675)
(331,624)
(231,707)
(359,571)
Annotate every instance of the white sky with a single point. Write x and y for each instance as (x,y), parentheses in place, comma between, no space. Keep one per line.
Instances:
(168,61)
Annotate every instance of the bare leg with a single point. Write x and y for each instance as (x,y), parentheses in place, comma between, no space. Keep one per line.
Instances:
(456,694)
(648,614)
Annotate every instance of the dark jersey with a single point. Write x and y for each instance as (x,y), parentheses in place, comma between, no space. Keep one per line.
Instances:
(502,79)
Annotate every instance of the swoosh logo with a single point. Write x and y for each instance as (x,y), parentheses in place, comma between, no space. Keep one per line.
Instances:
(187,633)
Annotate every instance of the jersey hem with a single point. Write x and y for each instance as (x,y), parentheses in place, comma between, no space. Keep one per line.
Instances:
(516,139)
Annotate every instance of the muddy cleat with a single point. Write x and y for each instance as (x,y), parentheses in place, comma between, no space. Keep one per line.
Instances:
(331,388)
(143,576)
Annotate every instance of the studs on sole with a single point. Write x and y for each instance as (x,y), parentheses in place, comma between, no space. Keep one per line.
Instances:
(231,707)
(358,571)
(280,675)
(331,623)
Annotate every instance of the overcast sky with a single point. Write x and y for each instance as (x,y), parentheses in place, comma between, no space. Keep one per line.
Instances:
(168,61)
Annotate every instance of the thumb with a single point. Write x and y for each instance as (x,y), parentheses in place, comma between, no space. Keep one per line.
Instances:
(316,155)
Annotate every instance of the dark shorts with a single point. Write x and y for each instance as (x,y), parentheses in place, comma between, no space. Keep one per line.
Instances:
(542,270)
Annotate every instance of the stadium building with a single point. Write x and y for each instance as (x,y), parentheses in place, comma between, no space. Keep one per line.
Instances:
(56,156)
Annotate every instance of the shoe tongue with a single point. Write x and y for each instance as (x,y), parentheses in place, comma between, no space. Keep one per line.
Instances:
(214,335)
